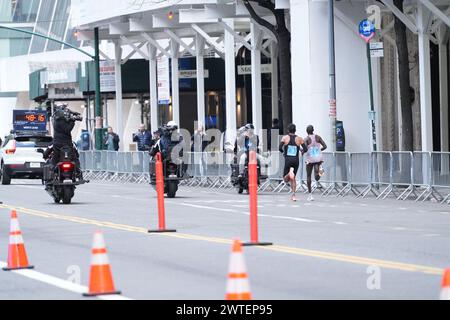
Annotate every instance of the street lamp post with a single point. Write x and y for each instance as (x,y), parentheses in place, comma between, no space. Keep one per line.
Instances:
(98,100)
(96,58)
(332,66)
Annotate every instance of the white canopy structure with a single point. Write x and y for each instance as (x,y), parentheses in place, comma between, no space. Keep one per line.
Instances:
(185,28)
(176,28)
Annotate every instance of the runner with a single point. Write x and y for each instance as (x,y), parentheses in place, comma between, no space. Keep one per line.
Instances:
(314,158)
(290,147)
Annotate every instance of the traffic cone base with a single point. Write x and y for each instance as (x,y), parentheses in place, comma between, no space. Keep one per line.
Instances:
(101,294)
(20,268)
(254,244)
(162,231)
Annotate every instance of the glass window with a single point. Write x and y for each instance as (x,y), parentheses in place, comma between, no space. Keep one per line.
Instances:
(17,43)
(5,10)
(25,10)
(59,24)
(43,25)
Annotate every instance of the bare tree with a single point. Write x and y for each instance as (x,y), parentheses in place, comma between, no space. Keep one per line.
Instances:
(283,35)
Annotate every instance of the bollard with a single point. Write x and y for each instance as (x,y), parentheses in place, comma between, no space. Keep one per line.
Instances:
(160,195)
(253,190)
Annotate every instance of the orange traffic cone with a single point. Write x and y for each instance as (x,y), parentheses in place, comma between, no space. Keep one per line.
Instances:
(100,281)
(445,291)
(238,287)
(17,255)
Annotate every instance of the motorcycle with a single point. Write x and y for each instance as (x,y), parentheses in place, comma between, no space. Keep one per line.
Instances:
(240,180)
(173,175)
(61,180)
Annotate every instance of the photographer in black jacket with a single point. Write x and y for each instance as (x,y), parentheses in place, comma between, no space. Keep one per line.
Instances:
(63,121)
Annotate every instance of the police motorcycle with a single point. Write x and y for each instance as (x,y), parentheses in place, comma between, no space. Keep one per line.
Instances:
(174,169)
(62,172)
(246,141)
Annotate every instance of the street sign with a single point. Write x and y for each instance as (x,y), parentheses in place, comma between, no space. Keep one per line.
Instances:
(366,30)
(377,53)
(333,109)
(163,80)
(376,50)
(247,69)
(107,76)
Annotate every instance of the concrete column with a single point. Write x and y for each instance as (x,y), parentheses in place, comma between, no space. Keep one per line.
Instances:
(256,76)
(175,47)
(425,79)
(274,61)
(153,88)
(199,52)
(119,99)
(443,87)
(230,83)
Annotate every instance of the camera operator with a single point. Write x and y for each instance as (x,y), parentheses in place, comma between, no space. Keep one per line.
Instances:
(63,121)
(166,141)
(246,141)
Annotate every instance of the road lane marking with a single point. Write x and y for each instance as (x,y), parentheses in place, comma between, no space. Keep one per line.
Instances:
(246,213)
(340,223)
(276,248)
(60,283)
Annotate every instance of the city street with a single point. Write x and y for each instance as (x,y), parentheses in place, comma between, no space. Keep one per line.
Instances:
(328,249)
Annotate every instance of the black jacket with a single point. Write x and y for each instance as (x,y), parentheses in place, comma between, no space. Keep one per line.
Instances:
(116,140)
(63,132)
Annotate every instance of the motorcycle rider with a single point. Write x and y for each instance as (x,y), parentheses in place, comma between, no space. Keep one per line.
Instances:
(167,140)
(63,121)
(246,141)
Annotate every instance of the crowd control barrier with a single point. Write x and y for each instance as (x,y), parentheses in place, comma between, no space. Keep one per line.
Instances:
(419,176)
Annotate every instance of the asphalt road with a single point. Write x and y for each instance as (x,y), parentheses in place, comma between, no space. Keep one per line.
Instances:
(333,248)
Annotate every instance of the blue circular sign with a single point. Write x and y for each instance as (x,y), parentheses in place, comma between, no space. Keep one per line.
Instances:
(366,30)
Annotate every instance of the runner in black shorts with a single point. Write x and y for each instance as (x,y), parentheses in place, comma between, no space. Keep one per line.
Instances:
(290,146)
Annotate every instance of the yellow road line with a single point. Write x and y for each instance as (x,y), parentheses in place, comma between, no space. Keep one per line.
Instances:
(276,248)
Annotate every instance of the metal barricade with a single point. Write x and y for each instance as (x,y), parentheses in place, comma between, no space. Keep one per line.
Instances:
(422,175)
(212,162)
(360,182)
(440,164)
(342,171)
(402,174)
(327,183)
(382,173)
(274,161)
(418,175)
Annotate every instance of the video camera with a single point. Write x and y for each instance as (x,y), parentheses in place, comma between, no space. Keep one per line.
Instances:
(167,130)
(63,112)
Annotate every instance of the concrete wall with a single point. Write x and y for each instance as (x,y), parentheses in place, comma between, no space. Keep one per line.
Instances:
(310,80)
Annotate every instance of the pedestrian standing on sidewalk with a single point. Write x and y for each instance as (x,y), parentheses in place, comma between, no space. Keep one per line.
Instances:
(290,146)
(112,140)
(314,158)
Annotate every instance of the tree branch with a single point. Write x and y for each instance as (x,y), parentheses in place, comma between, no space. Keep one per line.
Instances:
(258,19)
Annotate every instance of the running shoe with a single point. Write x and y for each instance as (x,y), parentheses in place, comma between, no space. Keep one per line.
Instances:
(321,171)
(293,198)
(310,198)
